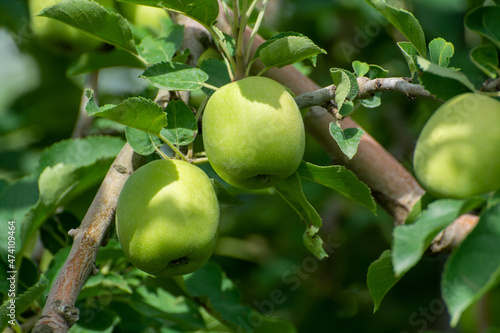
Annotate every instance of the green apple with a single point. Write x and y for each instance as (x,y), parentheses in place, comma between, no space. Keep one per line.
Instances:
(457,153)
(167,218)
(145,17)
(60,37)
(253,133)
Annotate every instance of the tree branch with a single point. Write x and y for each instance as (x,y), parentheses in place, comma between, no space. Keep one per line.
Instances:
(454,234)
(491,85)
(392,185)
(60,313)
(367,88)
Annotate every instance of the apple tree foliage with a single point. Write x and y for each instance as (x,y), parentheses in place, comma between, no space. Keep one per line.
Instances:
(46,202)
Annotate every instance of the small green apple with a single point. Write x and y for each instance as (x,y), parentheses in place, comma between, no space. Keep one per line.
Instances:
(60,37)
(253,133)
(457,153)
(167,218)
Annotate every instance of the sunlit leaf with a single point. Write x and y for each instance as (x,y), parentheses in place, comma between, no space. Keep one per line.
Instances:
(91,17)
(348,139)
(175,76)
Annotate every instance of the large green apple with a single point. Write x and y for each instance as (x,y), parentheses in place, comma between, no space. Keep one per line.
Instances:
(60,37)
(167,218)
(458,151)
(253,133)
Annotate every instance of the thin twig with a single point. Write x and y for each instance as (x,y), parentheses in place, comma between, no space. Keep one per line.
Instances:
(84,121)
(367,88)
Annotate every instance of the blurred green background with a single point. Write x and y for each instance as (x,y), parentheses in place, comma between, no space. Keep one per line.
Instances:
(261,242)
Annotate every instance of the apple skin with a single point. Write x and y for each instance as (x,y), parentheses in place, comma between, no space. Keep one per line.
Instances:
(253,133)
(457,153)
(167,218)
(60,37)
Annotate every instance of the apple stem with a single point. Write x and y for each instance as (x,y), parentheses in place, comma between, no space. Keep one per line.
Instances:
(209,86)
(200,160)
(189,154)
(262,71)
(162,154)
(176,151)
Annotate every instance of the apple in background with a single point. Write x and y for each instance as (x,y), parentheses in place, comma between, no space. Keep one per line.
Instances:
(152,19)
(253,133)
(167,218)
(60,37)
(458,151)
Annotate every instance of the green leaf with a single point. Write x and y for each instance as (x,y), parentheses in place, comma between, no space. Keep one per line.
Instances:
(484,21)
(290,189)
(372,102)
(181,57)
(111,252)
(94,19)
(411,240)
(182,126)
(16,200)
(410,54)
(370,71)
(346,109)
(380,278)
(346,86)
(360,68)
(112,283)
(440,52)
(94,318)
(217,74)
(22,302)
(142,143)
(175,76)
(288,50)
(79,152)
(473,268)
(203,11)
(218,292)
(377,71)
(442,82)
(135,112)
(70,168)
(485,57)
(348,139)
(338,178)
(405,22)
(156,302)
(156,50)
(94,61)
(223,196)
(273,39)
